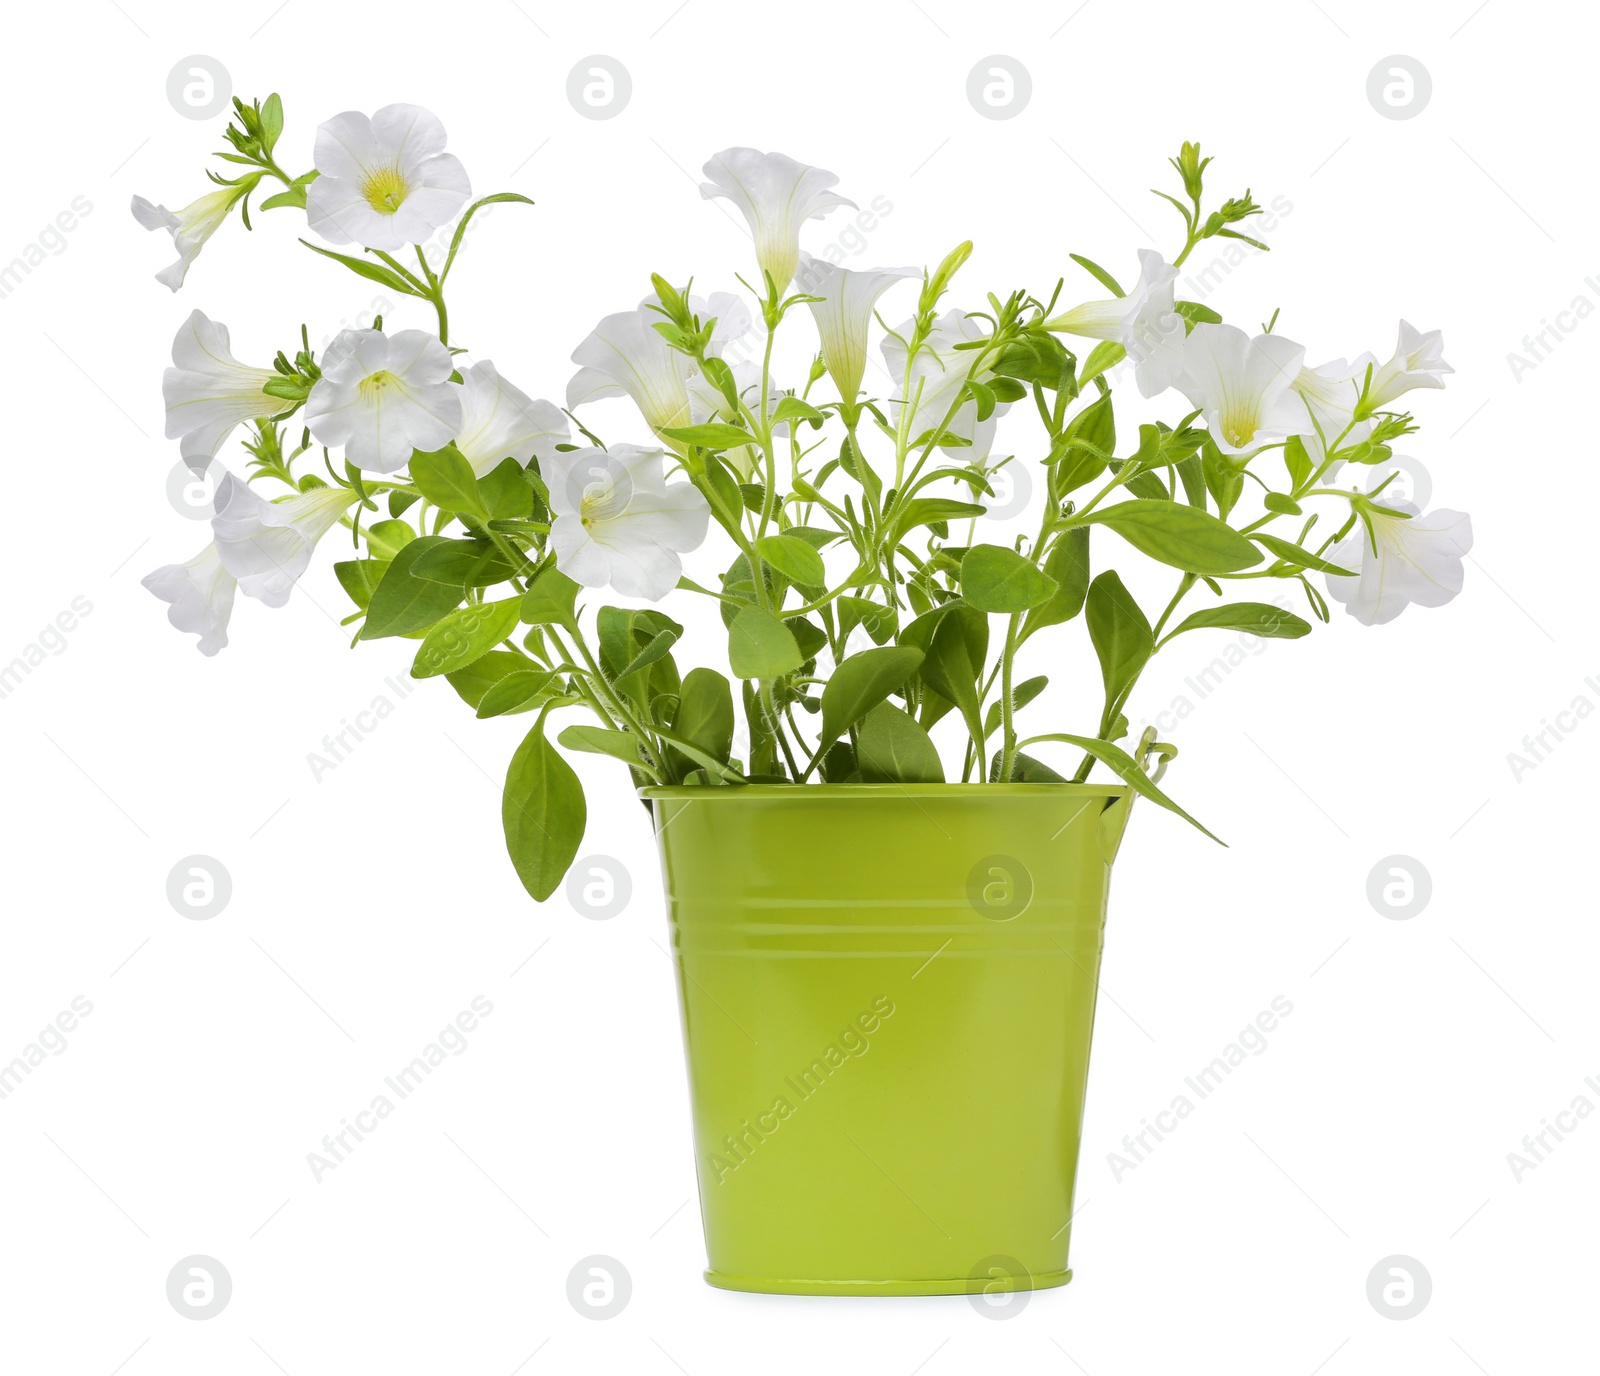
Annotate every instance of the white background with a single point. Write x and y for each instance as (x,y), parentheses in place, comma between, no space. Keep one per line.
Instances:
(369,908)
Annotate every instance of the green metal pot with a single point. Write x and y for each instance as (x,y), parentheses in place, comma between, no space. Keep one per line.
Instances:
(888,994)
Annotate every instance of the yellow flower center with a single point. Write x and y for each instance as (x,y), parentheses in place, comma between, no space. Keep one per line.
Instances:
(373,385)
(605,497)
(385,189)
(1239,425)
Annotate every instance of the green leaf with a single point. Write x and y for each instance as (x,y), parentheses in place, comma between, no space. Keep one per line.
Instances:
(1081,453)
(761,646)
(793,558)
(1120,632)
(984,396)
(294,196)
(402,602)
(1037,358)
(955,642)
(1194,314)
(292,389)
(463,563)
(1127,768)
(659,646)
(880,621)
(860,683)
(1021,696)
(855,464)
(519,691)
(385,539)
(1068,564)
(504,491)
(815,536)
(716,768)
(631,641)
(461,224)
(726,500)
(359,577)
(446,479)
(1296,460)
(792,408)
(934,708)
(705,713)
(714,435)
(1027,770)
(1096,424)
(809,636)
(543,814)
(1102,359)
(1178,534)
(474,682)
(550,598)
(1283,505)
(614,626)
(924,510)
(1100,275)
(1300,558)
(271,121)
(1254,618)
(721,377)
(1224,477)
(839,764)
(1192,473)
(893,749)
(1148,486)
(464,636)
(373,272)
(997,579)
(597,740)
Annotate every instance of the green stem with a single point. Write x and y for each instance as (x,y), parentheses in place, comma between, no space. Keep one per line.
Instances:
(1184,584)
(613,698)
(1008,729)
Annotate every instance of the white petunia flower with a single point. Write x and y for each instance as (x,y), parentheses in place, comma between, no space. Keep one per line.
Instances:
(384,182)
(267,545)
(381,396)
(190,227)
(1418,362)
(1330,393)
(1144,322)
(625,355)
(844,314)
(201,597)
(1403,558)
(938,373)
(208,391)
(1242,385)
(499,422)
(776,195)
(619,523)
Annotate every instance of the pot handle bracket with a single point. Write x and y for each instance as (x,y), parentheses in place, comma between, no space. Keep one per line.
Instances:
(1114,820)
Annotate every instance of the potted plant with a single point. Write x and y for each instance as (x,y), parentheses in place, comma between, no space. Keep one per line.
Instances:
(887,894)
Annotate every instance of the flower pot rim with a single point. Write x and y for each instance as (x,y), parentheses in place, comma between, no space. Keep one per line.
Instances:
(837,791)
